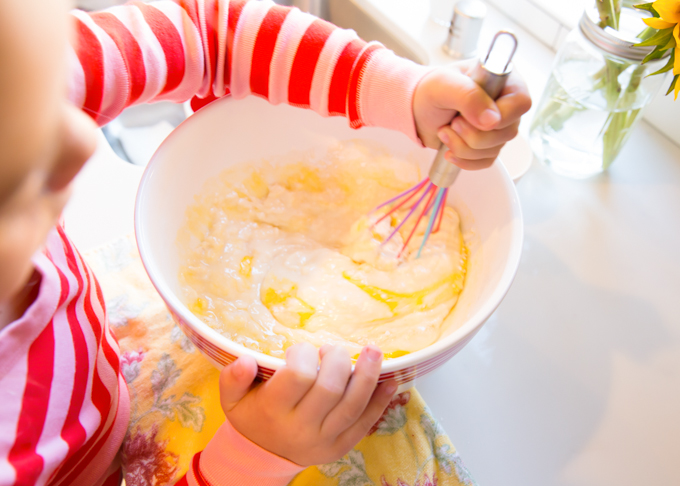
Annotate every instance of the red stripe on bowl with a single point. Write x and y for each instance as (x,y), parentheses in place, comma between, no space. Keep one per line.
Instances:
(401,376)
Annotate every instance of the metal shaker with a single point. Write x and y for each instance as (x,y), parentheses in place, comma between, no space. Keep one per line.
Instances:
(468,16)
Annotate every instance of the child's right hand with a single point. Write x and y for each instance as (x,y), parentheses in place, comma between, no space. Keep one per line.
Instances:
(477,136)
(308,413)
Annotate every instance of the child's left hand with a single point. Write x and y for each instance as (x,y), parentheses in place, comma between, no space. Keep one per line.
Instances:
(314,409)
(476,136)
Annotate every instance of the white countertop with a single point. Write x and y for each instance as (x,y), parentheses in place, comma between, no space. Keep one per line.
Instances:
(575,380)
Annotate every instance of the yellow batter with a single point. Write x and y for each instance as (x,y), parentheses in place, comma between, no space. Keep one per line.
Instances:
(277,254)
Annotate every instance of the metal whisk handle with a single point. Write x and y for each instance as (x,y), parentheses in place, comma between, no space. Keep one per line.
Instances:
(442,172)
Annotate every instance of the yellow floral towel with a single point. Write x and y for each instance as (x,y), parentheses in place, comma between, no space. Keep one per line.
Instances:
(175,407)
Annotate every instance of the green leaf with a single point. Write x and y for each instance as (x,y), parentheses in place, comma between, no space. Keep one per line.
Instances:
(649,7)
(332,469)
(445,457)
(667,67)
(349,470)
(189,413)
(393,420)
(431,427)
(671,44)
(657,53)
(646,33)
(164,376)
(356,459)
(675,80)
(464,476)
(164,406)
(661,38)
(353,477)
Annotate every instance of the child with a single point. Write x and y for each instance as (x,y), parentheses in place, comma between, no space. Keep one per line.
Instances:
(64,401)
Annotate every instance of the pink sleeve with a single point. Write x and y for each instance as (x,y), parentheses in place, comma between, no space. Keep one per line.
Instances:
(231,459)
(175,50)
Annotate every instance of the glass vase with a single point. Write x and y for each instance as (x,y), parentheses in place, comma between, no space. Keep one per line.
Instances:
(594,97)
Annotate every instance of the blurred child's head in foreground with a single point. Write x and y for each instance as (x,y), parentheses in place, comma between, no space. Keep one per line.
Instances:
(44,141)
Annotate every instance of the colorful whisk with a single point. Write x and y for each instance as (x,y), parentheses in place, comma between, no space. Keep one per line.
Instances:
(491,75)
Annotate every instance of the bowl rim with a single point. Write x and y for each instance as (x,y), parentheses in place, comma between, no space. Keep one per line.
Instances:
(467,330)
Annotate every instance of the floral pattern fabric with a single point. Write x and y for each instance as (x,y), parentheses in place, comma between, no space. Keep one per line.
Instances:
(175,407)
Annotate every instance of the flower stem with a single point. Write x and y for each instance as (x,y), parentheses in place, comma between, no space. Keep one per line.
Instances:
(610,11)
(619,122)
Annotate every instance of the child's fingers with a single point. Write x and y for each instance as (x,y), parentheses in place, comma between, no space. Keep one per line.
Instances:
(514,101)
(324,349)
(329,386)
(374,410)
(460,149)
(459,92)
(359,391)
(235,381)
(475,139)
(289,384)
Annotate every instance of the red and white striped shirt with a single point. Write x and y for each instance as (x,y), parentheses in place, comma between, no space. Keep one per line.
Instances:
(65,404)
(64,401)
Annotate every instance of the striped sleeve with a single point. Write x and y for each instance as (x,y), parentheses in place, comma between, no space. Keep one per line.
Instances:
(176,50)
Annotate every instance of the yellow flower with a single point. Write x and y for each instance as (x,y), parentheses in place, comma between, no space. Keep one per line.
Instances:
(676,64)
(669,11)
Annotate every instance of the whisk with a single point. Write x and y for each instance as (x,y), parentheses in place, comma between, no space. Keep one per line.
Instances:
(491,74)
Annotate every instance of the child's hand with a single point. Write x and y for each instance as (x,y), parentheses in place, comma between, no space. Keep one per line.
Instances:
(476,137)
(307,413)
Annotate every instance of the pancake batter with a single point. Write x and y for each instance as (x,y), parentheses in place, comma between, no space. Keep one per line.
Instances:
(277,254)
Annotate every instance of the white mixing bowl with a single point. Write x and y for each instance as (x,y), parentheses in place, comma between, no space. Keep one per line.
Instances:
(232,131)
